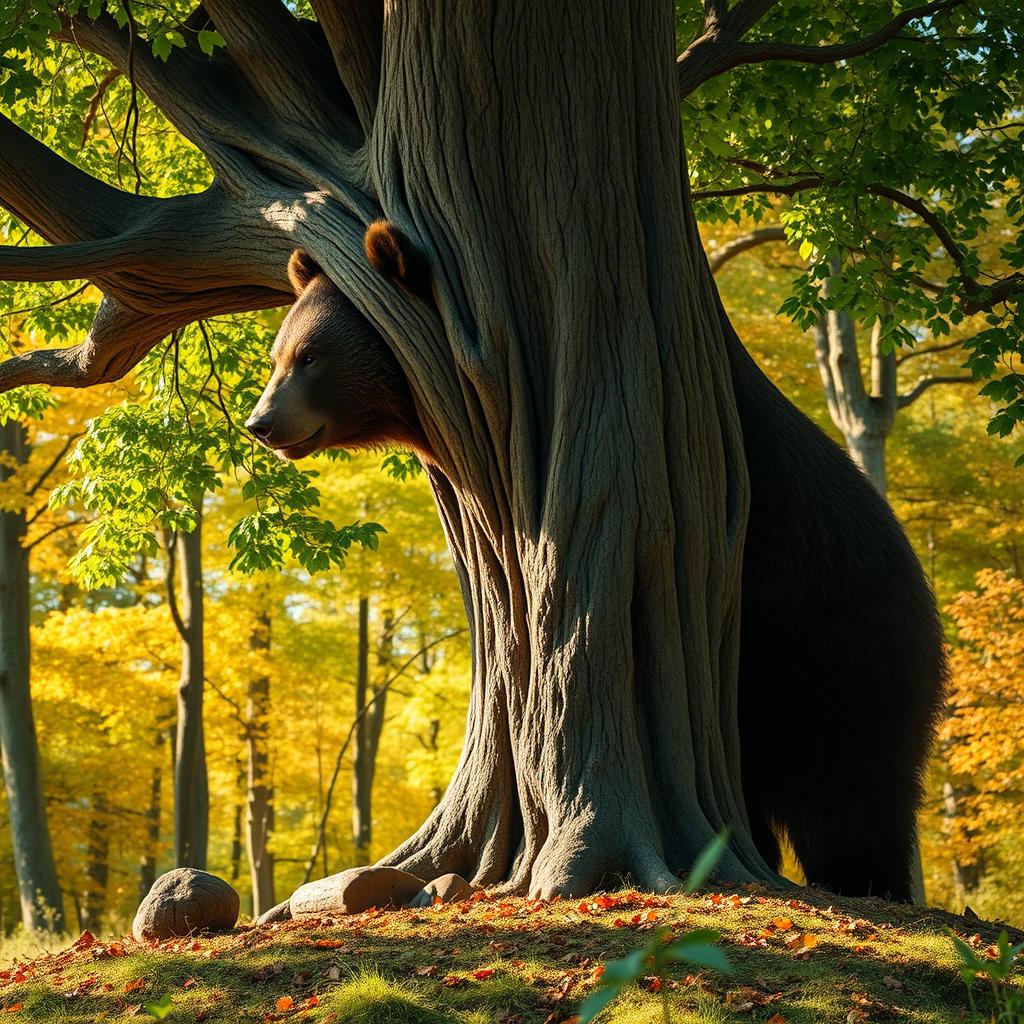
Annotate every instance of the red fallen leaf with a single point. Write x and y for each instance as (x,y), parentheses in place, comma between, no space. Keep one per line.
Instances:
(196,946)
(312,1001)
(134,986)
(284,1003)
(189,982)
(107,987)
(653,984)
(85,940)
(597,972)
(620,923)
(329,943)
(203,1015)
(483,974)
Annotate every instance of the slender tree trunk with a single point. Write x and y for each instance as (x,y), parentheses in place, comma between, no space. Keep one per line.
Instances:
(97,870)
(597,516)
(147,864)
(38,888)
(966,877)
(237,840)
(362,774)
(259,819)
(191,794)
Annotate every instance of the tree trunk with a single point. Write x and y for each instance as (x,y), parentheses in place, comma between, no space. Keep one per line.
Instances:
(369,725)
(147,864)
(97,870)
(259,820)
(597,516)
(191,794)
(362,770)
(966,877)
(38,888)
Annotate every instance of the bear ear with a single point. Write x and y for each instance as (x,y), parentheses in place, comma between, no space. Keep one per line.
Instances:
(392,254)
(302,268)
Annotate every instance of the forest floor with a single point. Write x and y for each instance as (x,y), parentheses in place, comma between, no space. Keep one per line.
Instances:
(812,960)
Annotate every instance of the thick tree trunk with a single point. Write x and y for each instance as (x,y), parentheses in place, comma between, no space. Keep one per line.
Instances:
(259,819)
(589,467)
(41,903)
(191,794)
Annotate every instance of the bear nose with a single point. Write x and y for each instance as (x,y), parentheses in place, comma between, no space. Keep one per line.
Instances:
(259,427)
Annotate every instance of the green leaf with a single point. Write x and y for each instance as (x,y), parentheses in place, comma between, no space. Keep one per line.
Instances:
(209,40)
(596,1002)
(705,863)
(161,1008)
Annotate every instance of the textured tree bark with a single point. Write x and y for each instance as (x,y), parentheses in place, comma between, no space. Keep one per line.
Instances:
(259,818)
(41,903)
(191,794)
(589,473)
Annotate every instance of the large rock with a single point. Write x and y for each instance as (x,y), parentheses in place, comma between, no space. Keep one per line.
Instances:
(184,901)
(447,888)
(355,890)
(282,912)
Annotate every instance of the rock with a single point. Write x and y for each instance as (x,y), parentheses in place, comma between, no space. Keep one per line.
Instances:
(355,890)
(282,912)
(183,901)
(447,888)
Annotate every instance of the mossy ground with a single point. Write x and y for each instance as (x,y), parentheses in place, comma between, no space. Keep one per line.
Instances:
(800,961)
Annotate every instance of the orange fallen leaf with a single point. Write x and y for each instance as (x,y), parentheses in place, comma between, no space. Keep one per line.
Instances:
(284,1003)
(783,924)
(189,982)
(777,1019)
(483,974)
(329,943)
(13,1008)
(134,986)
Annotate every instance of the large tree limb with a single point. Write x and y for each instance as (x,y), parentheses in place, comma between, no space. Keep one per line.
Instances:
(282,63)
(354,30)
(55,198)
(720,47)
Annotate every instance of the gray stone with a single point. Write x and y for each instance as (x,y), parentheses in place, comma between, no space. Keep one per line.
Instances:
(448,888)
(355,890)
(282,912)
(184,901)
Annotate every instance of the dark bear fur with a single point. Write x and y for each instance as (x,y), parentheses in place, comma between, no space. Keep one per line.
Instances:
(841,667)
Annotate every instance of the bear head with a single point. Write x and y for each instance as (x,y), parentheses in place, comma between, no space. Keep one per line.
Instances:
(335,381)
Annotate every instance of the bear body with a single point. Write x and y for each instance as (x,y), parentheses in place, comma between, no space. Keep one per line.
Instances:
(841,664)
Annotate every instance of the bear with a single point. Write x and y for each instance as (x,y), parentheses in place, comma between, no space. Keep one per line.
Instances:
(842,665)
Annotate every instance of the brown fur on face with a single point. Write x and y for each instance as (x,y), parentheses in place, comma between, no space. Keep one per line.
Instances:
(335,383)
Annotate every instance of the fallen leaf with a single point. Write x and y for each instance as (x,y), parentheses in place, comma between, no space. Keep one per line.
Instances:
(13,1008)
(483,974)
(783,924)
(189,982)
(134,986)
(284,1003)
(329,943)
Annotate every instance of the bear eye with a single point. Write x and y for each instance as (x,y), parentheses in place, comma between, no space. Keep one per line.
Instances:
(308,359)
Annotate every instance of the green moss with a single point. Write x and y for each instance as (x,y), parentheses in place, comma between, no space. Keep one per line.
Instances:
(369,998)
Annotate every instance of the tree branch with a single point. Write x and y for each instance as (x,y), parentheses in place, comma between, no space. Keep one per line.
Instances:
(354,30)
(294,76)
(720,47)
(929,382)
(54,463)
(55,198)
(915,352)
(730,250)
(69,524)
